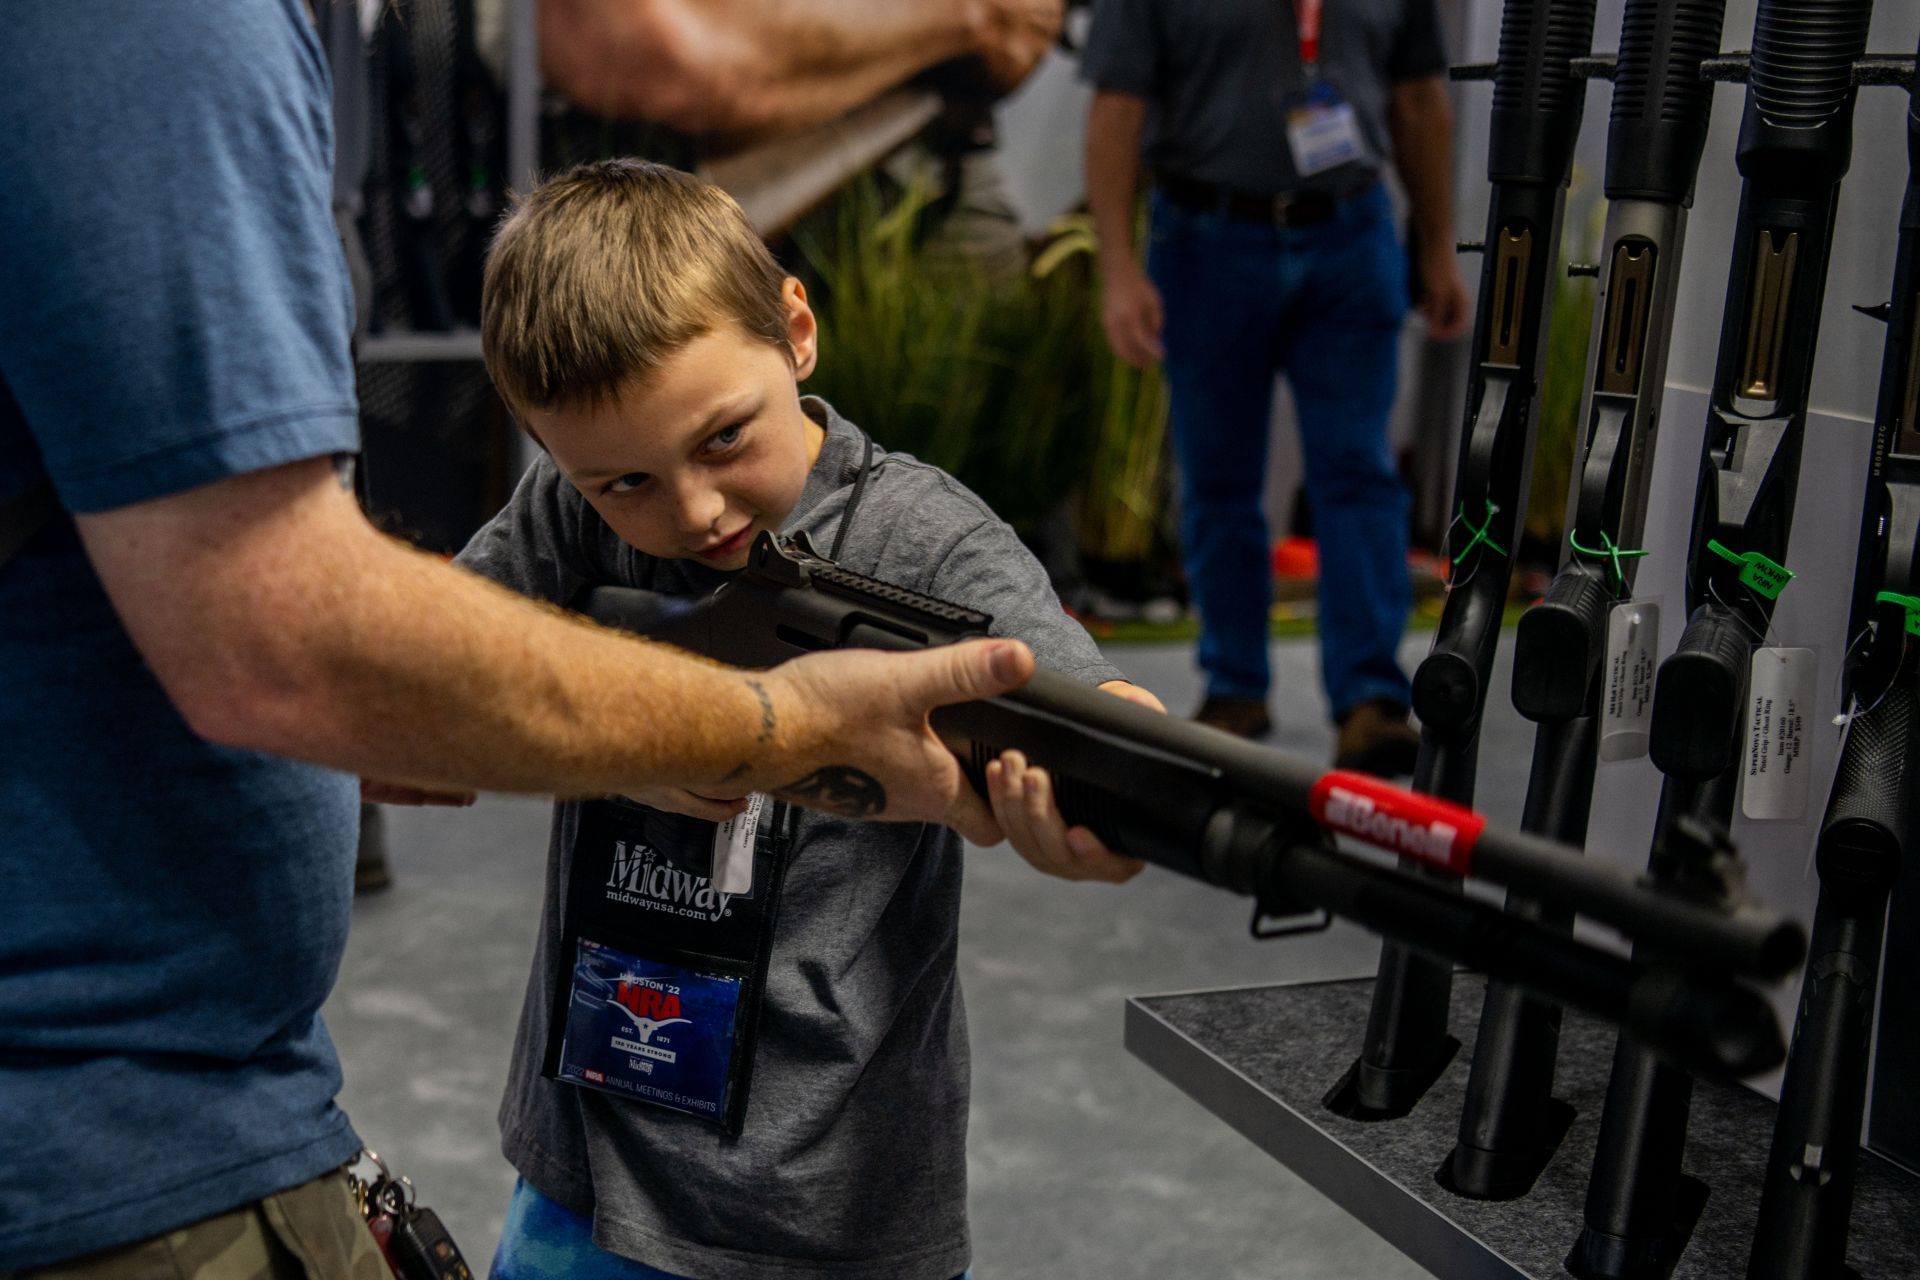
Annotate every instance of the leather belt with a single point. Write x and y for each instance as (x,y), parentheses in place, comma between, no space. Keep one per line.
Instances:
(1302,208)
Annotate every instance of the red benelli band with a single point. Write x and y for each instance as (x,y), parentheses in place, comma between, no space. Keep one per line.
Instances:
(1434,831)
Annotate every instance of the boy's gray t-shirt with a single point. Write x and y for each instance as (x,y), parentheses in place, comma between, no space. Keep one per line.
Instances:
(852,1162)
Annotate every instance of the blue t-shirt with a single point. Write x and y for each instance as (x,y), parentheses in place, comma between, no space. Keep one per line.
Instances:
(174,309)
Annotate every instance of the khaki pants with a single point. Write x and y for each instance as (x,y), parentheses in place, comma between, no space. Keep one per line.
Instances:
(310,1232)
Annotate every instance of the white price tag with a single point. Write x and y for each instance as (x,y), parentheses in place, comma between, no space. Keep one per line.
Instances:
(1780,698)
(1626,683)
(733,849)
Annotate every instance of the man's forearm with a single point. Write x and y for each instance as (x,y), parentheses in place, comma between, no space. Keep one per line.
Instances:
(1420,120)
(315,637)
(443,678)
(1115,125)
(744,66)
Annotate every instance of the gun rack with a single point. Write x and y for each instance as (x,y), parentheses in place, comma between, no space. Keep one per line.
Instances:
(1259,1058)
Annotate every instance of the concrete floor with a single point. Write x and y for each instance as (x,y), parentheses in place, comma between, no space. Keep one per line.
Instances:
(1083,1162)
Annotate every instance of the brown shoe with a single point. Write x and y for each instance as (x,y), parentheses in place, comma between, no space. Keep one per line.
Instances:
(1244,717)
(1376,738)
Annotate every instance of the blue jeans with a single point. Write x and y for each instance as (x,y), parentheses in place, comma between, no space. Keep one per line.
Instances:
(1324,305)
(545,1240)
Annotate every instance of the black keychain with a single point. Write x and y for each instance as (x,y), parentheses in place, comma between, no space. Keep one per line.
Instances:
(412,1239)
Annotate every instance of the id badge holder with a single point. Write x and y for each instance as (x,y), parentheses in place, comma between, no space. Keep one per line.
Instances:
(1322,130)
(663,972)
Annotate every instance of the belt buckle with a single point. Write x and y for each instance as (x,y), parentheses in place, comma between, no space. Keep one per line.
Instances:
(1283,206)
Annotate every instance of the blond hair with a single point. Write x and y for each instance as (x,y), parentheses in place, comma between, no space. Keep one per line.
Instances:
(602,273)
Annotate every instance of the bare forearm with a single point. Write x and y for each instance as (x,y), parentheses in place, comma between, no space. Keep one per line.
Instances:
(1420,120)
(430,675)
(276,618)
(744,67)
(311,635)
(1115,125)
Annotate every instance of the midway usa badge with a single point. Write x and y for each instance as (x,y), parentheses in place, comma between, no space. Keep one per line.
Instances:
(660,994)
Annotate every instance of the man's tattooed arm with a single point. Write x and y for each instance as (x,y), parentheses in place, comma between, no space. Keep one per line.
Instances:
(839,789)
(766,710)
(768,722)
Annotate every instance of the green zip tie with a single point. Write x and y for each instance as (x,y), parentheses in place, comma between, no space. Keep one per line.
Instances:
(1910,603)
(1763,575)
(1480,534)
(1610,553)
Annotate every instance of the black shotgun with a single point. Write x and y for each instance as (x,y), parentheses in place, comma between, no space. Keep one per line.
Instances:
(1510,1125)
(1257,822)
(1795,145)
(1807,1197)
(1536,119)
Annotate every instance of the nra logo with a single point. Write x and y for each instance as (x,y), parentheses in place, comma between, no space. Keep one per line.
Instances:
(648,1005)
(648,1002)
(598,1077)
(1405,822)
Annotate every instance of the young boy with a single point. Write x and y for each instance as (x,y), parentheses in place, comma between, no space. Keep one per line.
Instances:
(643,334)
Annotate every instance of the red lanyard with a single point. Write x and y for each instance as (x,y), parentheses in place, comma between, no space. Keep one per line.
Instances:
(1307,18)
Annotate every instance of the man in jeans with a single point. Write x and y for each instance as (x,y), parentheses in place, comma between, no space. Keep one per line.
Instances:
(1265,125)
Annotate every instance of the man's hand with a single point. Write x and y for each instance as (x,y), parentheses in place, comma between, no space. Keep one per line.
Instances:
(1011,36)
(862,731)
(1130,312)
(1443,294)
(1024,803)
(690,803)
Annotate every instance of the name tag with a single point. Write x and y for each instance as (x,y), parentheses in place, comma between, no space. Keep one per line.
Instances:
(1322,132)
(659,995)
(651,1029)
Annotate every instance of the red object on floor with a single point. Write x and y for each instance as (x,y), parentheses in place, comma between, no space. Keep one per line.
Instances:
(1296,558)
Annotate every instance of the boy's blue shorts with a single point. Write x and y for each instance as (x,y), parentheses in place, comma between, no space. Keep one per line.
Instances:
(543,1239)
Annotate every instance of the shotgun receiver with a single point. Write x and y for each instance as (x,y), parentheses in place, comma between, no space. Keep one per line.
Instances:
(1260,823)
(1509,1124)
(1866,842)
(1537,107)
(1796,142)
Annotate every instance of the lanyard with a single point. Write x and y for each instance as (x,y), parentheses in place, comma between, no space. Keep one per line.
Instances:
(1307,28)
(853,500)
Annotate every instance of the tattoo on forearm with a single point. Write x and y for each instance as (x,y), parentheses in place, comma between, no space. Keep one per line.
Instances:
(840,789)
(766,710)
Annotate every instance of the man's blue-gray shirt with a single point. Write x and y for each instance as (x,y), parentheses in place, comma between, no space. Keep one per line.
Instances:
(173,310)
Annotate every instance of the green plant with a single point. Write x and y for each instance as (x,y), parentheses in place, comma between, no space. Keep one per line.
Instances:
(983,375)
(1120,516)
